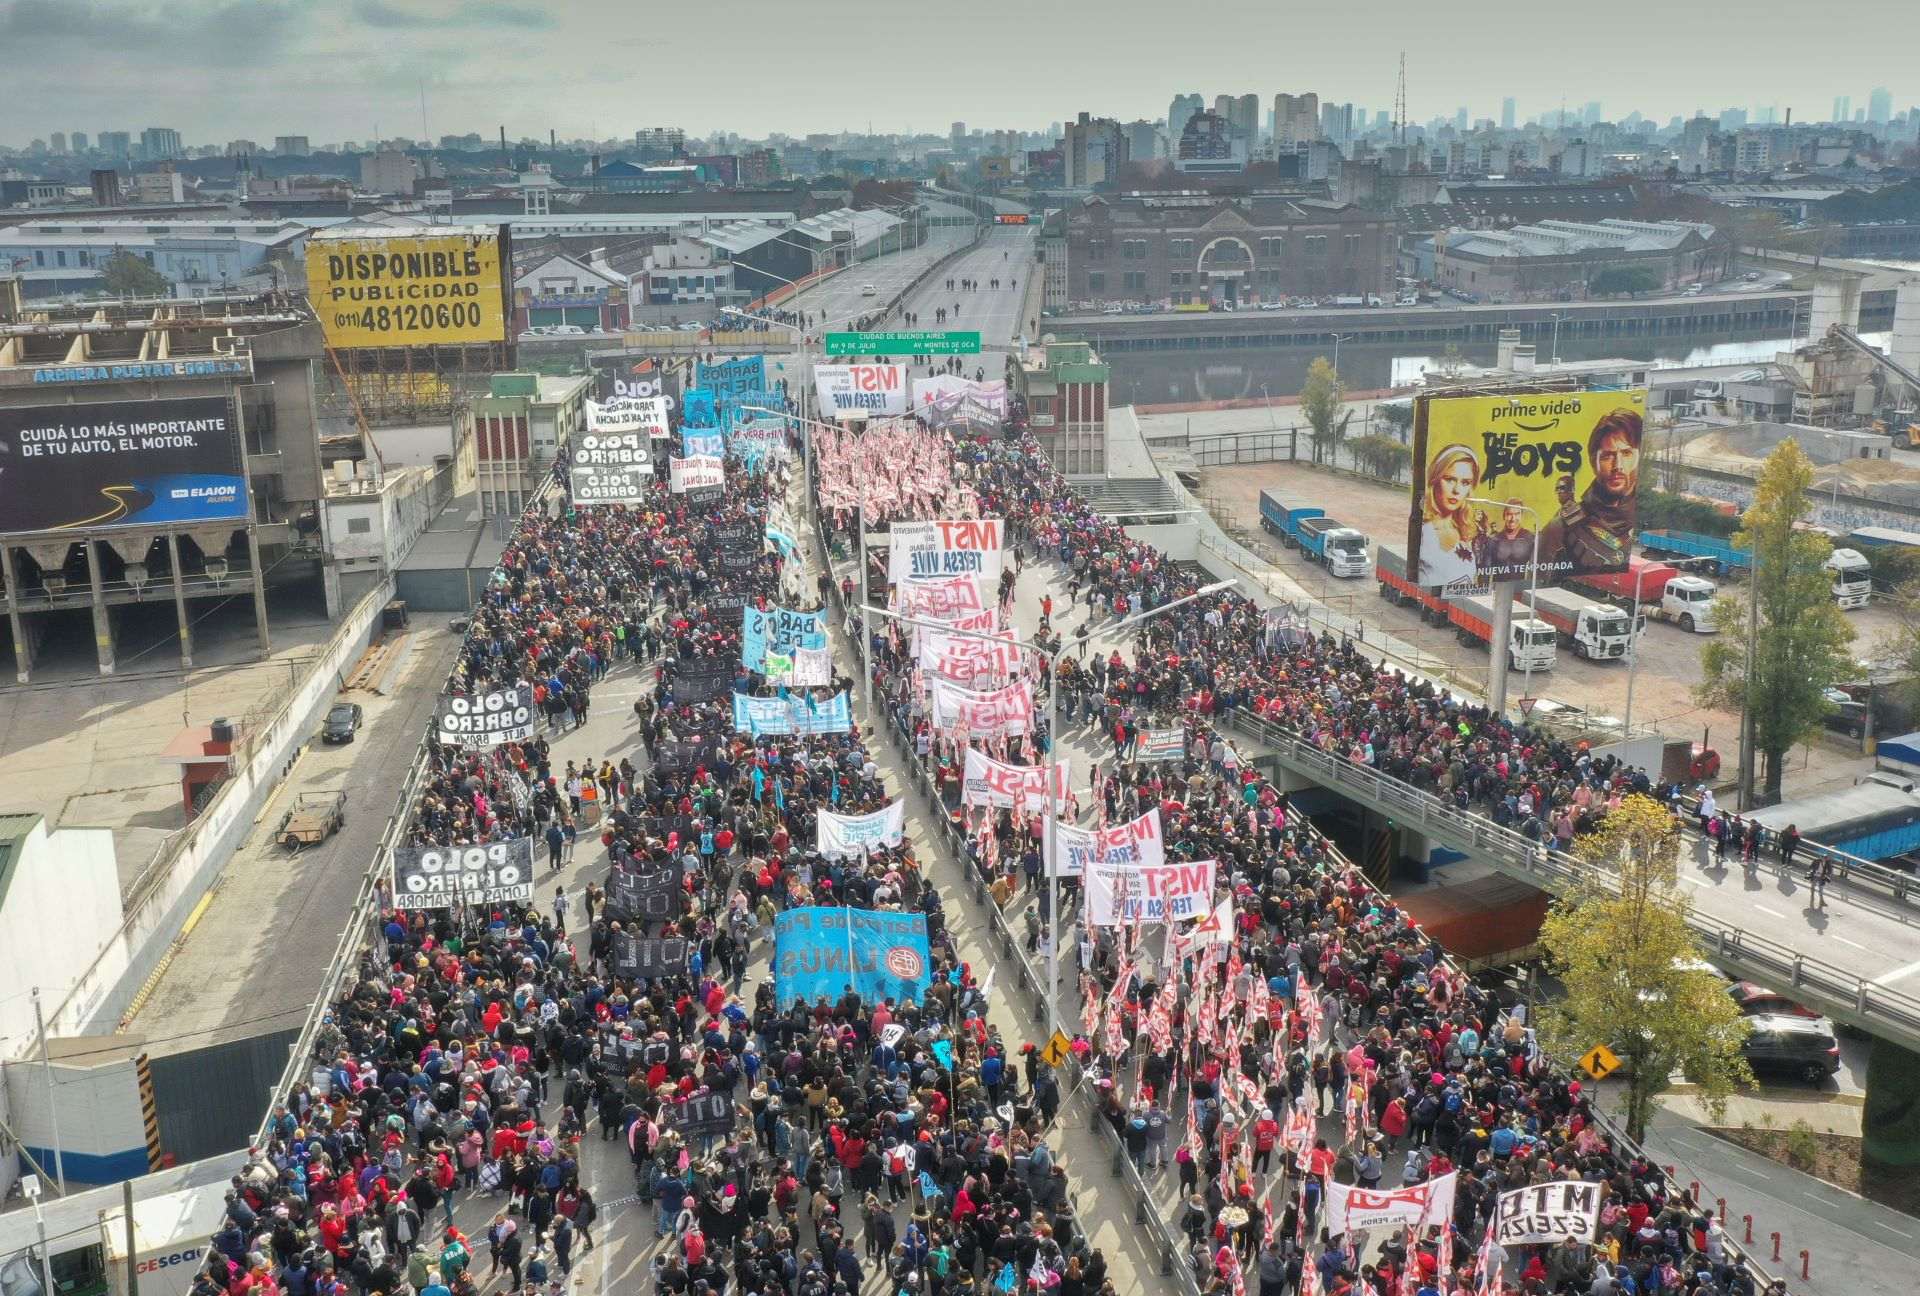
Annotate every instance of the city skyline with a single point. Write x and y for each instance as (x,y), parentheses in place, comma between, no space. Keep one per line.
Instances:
(344,69)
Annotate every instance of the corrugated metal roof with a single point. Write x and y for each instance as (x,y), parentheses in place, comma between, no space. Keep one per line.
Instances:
(13,830)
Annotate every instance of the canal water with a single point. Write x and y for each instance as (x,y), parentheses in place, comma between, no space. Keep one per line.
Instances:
(1167,377)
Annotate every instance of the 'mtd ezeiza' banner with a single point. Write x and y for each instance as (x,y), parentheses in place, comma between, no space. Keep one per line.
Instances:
(820,952)
(876,389)
(439,877)
(120,463)
(482,720)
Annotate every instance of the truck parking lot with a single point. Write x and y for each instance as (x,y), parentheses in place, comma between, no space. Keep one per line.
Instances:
(1669,666)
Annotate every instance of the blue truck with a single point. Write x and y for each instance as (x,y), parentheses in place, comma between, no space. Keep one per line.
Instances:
(1281,515)
(1849,572)
(1341,549)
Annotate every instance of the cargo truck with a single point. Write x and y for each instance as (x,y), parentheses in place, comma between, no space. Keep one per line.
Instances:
(1664,594)
(1595,631)
(1390,570)
(88,1244)
(1849,573)
(1340,549)
(1530,643)
(1280,514)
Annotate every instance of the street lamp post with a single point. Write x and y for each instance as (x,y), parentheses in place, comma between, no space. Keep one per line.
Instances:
(1556,317)
(1499,653)
(1051,833)
(1338,338)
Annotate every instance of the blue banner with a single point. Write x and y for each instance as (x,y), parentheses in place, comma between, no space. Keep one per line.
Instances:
(733,377)
(795,714)
(748,406)
(785,544)
(778,630)
(758,440)
(696,409)
(702,443)
(819,953)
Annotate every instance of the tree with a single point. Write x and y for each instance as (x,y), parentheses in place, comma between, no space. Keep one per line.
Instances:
(1801,648)
(1380,456)
(1398,415)
(1321,400)
(1634,981)
(1624,279)
(126,275)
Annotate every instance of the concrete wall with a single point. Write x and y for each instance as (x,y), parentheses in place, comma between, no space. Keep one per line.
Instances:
(103,1137)
(1179,541)
(414,446)
(159,904)
(61,909)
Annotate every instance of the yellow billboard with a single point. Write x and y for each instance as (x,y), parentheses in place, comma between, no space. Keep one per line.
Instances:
(1499,478)
(410,287)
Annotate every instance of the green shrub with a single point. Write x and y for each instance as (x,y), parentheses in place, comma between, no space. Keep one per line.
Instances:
(1380,456)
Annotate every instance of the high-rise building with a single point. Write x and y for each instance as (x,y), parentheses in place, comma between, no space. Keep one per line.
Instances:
(116,143)
(1144,141)
(1842,108)
(57,141)
(1590,113)
(1381,120)
(958,133)
(1879,108)
(1246,117)
(1733,119)
(1506,113)
(157,143)
(1459,119)
(1296,119)
(1183,107)
(1095,149)
(79,141)
(291,145)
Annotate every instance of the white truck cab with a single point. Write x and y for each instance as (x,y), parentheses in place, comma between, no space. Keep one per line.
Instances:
(1688,600)
(1852,577)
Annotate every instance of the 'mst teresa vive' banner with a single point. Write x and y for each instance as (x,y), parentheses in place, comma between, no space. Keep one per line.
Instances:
(481,720)
(120,463)
(439,877)
(791,715)
(944,549)
(1004,787)
(1548,1212)
(778,631)
(844,835)
(876,389)
(820,953)
(1136,843)
(1131,894)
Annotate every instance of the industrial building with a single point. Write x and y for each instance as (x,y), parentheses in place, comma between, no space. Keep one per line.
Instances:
(1563,260)
(200,256)
(1061,390)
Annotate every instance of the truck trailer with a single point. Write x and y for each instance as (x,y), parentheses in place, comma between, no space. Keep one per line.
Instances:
(1849,574)
(1341,549)
(1280,514)
(1595,631)
(1530,643)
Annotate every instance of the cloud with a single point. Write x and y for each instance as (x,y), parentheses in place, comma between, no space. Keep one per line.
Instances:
(412,14)
(224,32)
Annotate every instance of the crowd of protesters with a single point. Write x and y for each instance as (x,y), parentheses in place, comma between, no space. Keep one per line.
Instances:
(473,1049)
(1322,1034)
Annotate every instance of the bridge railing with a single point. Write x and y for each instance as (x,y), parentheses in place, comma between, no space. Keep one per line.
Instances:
(1887,1011)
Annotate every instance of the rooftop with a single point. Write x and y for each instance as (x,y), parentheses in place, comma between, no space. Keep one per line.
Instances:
(1563,238)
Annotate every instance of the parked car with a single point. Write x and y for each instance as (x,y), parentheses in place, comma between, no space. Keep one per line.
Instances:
(1784,1043)
(567,330)
(1694,290)
(1756,1000)
(342,723)
(1751,276)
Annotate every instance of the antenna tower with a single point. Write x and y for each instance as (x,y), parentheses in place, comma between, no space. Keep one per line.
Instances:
(1400,103)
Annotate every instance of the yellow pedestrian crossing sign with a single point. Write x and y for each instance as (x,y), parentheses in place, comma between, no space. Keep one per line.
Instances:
(1055,1051)
(1599,1062)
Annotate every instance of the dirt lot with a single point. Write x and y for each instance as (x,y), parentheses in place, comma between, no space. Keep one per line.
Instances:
(1670,658)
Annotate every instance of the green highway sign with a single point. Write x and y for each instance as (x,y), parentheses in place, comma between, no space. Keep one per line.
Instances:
(911,343)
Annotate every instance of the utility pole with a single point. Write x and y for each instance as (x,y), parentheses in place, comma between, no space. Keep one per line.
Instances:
(1745,791)
(53,1101)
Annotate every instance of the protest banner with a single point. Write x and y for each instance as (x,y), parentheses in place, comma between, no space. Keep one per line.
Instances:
(1127,893)
(1353,1209)
(706,1115)
(700,679)
(798,714)
(1549,1212)
(778,630)
(637,956)
(871,389)
(645,897)
(701,472)
(999,713)
(840,836)
(822,952)
(1161,745)
(733,377)
(941,550)
(479,721)
(439,877)
(994,783)
(625,484)
(948,597)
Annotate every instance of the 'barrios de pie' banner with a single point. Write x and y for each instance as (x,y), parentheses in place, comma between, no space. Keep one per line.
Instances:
(821,953)
(841,836)
(778,630)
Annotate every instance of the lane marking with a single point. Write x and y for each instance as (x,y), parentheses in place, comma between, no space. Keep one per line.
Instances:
(1891,1229)
(1898,974)
(1771,913)
(1854,943)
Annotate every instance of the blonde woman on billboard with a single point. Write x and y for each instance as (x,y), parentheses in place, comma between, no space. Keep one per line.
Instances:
(1447,529)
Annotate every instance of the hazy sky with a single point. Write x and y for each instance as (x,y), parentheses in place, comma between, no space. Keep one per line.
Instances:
(333,69)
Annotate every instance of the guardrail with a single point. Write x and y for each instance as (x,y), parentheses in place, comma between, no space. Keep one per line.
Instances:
(1878,1008)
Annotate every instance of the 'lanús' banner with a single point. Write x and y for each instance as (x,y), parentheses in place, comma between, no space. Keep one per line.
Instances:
(844,835)
(821,953)
(1005,787)
(875,389)
(944,549)
(1498,472)
(795,714)
(1127,893)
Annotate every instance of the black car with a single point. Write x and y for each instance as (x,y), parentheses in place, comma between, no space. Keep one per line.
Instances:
(342,723)
(1800,1046)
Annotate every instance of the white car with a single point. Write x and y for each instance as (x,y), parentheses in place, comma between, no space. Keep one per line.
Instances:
(868,290)
(567,330)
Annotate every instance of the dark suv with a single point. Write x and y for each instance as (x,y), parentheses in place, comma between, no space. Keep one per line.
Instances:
(1801,1046)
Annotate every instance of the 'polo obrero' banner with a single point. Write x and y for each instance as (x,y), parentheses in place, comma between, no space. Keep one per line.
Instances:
(944,549)
(821,953)
(796,714)
(1127,893)
(625,484)
(1003,786)
(841,836)
(477,721)
(439,877)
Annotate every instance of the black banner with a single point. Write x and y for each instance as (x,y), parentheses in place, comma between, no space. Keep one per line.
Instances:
(703,1114)
(481,720)
(727,602)
(701,679)
(735,561)
(635,956)
(439,877)
(678,755)
(737,533)
(633,373)
(120,463)
(654,897)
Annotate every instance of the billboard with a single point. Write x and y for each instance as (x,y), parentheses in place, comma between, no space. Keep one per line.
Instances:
(375,289)
(121,463)
(1494,472)
(635,374)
